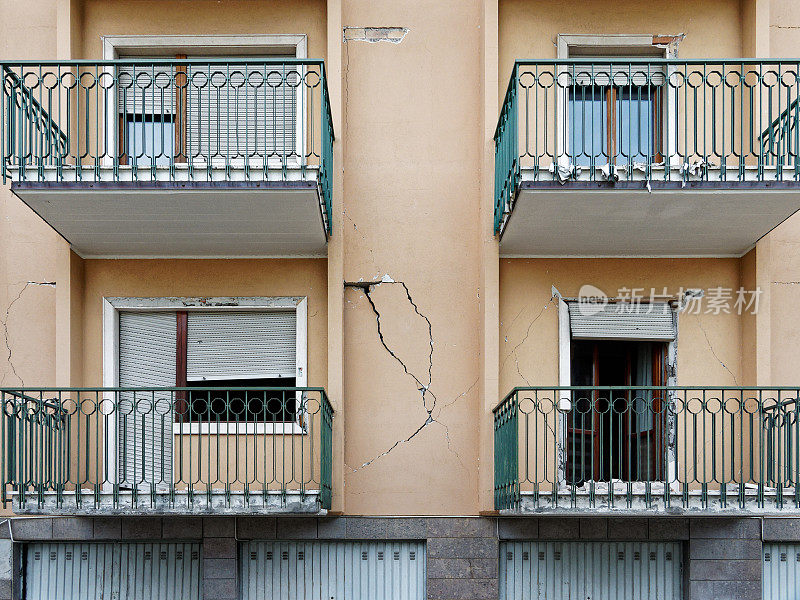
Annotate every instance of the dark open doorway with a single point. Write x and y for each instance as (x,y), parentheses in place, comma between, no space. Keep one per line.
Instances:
(617,433)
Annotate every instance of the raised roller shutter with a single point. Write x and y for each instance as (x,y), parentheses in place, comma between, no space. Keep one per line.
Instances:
(65,571)
(781,575)
(622,321)
(340,570)
(590,571)
(147,358)
(241,345)
(242,110)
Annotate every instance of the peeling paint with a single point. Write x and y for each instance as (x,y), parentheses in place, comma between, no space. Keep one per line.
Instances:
(372,35)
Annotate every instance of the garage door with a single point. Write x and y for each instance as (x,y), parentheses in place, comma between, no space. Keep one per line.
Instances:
(781,572)
(333,570)
(113,571)
(590,571)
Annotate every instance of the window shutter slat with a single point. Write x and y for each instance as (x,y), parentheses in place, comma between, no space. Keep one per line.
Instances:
(621,321)
(147,342)
(241,345)
(241,111)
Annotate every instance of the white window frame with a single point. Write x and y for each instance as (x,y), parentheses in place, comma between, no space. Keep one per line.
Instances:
(565,380)
(640,46)
(112,306)
(225,45)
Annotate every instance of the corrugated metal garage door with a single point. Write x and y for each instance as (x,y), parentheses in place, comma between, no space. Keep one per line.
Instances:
(338,570)
(590,571)
(113,571)
(781,572)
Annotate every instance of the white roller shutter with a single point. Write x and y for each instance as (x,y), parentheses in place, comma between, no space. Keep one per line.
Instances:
(622,321)
(591,571)
(241,345)
(347,570)
(242,111)
(64,571)
(147,358)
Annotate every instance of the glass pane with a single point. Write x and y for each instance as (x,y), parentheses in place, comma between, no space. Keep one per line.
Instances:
(148,137)
(588,123)
(634,131)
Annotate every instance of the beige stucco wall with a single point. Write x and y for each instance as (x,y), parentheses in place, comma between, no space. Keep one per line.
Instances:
(209,278)
(411,196)
(528,28)
(414,171)
(709,346)
(203,17)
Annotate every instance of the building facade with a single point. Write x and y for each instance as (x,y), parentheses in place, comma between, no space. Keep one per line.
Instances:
(447,300)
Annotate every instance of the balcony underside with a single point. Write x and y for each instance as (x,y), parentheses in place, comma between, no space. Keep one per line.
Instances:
(179,503)
(639,502)
(197,213)
(644,218)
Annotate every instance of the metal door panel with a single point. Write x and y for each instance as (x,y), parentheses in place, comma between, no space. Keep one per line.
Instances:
(590,571)
(338,570)
(66,571)
(781,574)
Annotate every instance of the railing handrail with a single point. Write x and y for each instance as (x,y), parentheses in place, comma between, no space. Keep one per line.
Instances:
(36,104)
(650,447)
(158,442)
(23,392)
(238,60)
(656,60)
(660,388)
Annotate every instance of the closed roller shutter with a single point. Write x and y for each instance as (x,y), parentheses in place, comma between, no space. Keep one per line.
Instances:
(241,345)
(238,111)
(781,575)
(146,89)
(115,571)
(340,570)
(622,321)
(590,571)
(147,358)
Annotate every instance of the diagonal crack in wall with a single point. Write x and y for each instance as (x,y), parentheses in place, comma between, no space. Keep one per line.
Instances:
(9,351)
(423,386)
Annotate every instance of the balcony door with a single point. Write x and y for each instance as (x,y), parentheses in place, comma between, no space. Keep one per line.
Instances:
(616,433)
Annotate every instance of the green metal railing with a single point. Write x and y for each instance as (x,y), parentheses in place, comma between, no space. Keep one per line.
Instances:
(604,120)
(148,120)
(650,447)
(175,448)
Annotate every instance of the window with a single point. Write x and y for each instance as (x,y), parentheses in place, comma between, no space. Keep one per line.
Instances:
(149,139)
(230,358)
(207,113)
(615,109)
(615,123)
(238,350)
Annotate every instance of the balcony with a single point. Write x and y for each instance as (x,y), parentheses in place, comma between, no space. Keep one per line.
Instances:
(647,450)
(648,157)
(167,451)
(192,157)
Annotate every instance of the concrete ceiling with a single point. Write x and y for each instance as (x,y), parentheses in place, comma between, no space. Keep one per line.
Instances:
(197,222)
(680,222)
